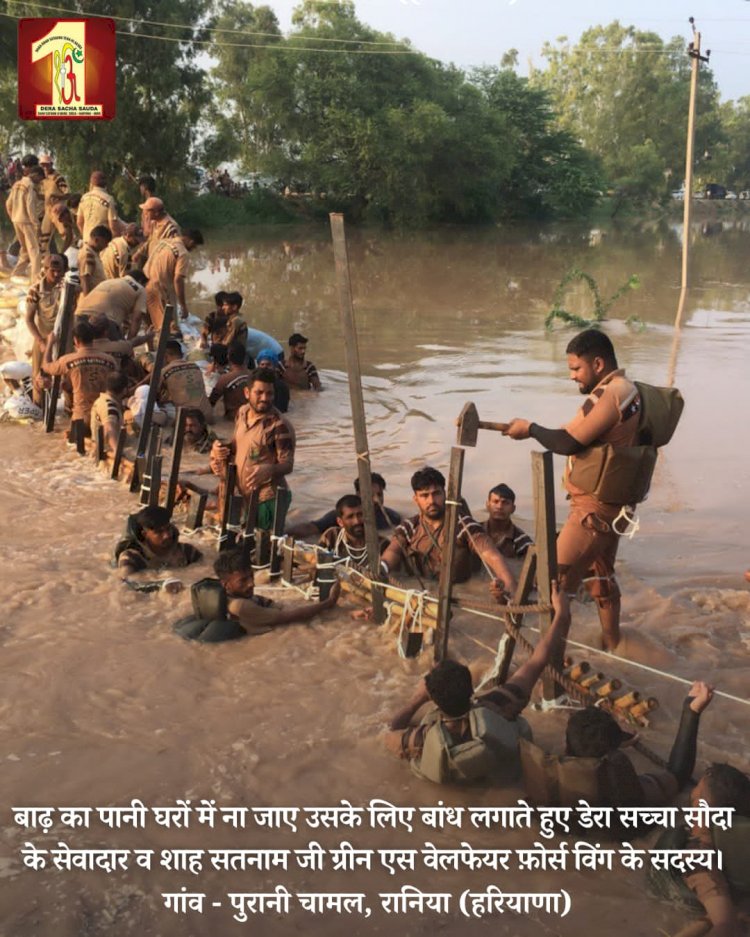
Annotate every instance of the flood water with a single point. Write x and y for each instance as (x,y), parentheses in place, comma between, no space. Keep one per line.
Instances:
(102,704)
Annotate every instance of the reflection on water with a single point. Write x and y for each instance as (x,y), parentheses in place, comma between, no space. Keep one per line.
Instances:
(101,703)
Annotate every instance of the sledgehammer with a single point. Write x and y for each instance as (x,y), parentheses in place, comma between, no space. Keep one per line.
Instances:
(469,425)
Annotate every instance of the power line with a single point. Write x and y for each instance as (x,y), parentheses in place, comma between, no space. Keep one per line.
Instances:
(235,32)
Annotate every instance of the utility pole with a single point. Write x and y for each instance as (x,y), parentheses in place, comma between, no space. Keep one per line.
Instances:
(694,51)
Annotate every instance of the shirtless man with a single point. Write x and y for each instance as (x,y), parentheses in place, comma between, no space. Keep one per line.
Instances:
(42,302)
(418,541)
(258,616)
(347,538)
(296,371)
(90,265)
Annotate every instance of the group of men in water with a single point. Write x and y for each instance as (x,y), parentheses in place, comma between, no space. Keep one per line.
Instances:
(129,273)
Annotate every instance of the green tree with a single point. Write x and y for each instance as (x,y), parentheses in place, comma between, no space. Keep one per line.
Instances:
(624,94)
(160,94)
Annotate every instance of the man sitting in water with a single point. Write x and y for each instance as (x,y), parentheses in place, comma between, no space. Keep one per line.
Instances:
(257,615)
(151,543)
(418,541)
(347,538)
(295,370)
(268,359)
(595,768)
(182,384)
(385,517)
(466,738)
(510,540)
(198,436)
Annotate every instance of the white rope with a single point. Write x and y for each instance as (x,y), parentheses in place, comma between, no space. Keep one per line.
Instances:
(620,660)
(495,669)
(416,618)
(631,520)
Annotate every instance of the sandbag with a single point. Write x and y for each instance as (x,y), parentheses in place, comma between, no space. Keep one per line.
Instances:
(661,409)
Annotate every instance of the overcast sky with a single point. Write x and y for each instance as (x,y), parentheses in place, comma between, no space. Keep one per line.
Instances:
(478,32)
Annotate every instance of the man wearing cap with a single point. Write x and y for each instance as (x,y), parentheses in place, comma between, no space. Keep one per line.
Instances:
(55,190)
(117,256)
(24,209)
(161,227)
(167,270)
(122,301)
(97,207)
(296,371)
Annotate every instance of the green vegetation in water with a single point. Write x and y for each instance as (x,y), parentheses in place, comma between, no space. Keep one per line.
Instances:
(601,307)
(217,211)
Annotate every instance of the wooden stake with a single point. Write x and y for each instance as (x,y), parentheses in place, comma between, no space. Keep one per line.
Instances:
(197,508)
(526,583)
(227,538)
(251,520)
(279,520)
(364,469)
(68,303)
(546,554)
(445,584)
(117,461)
(101,451)
(174,469)
(153,390)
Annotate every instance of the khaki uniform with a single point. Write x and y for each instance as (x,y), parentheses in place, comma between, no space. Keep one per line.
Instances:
(121,300)
(65,230)
(106,412)
(168,261)
(164,229)
(259,439)
(87,371)
(116,258)
(90,265)
(423,547)
(44,299)
(587,545)
(182,385)
(121,351)
(335,540)
(97,207)
(24,208)
(231,389)
(54,190)
(512,543)
(303,376)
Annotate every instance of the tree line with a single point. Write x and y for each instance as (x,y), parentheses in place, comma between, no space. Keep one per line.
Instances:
(345,117)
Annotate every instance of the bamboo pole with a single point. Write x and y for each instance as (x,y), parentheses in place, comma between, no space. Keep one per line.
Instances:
(351,350)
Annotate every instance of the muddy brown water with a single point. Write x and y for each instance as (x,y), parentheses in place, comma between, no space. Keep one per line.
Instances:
(102,704)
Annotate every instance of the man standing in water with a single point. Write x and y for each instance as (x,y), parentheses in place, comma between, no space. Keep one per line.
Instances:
(296,371)
(587,544)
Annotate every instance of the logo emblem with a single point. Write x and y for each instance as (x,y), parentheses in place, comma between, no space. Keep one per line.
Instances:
(66,69)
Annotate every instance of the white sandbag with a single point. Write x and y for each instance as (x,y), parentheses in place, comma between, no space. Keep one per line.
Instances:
(15,370)
(20,407)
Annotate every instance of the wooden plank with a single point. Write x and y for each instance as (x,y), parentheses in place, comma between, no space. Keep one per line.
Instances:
(67,307)
(351,349)
(445,583)
(153,389)
(543,489)
(174,469)
(197,508)
(101,451)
